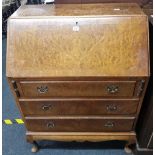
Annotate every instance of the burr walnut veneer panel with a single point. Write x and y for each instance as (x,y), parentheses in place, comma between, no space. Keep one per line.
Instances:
(53,107)
(77,88)
(79,125)
(102,45)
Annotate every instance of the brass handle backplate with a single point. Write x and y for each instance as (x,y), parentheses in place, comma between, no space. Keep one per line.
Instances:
(109,125)
(111,108)
(42,89)
(112,89)
(46,107)
(50,125)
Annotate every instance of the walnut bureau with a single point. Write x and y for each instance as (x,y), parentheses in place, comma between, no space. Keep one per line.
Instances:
(78,72)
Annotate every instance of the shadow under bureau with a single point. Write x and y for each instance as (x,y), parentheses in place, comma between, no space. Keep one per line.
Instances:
(78,72)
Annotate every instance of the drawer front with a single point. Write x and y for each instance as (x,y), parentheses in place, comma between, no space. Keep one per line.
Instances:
(78,107)
(79,125)
(77,88)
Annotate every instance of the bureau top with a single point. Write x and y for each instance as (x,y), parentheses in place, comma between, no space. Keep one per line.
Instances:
(33,11)
(77,46)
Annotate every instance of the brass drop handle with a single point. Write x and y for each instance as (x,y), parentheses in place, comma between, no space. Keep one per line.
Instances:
(50,125)
(112,89)
(46,107)
(111,108)
(109,125)
(42,89)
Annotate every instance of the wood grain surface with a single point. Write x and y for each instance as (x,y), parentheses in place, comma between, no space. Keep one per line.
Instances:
(107,46)
(57,107)
(75,124)
(77,10)
(77,88)
(80,136)
(78,72)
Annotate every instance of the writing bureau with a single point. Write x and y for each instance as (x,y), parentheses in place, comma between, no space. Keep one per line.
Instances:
(78,72)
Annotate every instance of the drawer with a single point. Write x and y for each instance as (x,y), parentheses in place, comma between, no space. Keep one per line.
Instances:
(77,88)
(62,124)
(78,107)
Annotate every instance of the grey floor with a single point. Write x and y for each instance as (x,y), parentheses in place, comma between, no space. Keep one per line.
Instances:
(14,142)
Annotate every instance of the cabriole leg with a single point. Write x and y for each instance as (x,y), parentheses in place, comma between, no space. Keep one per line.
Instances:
(129,146)
(35,147)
